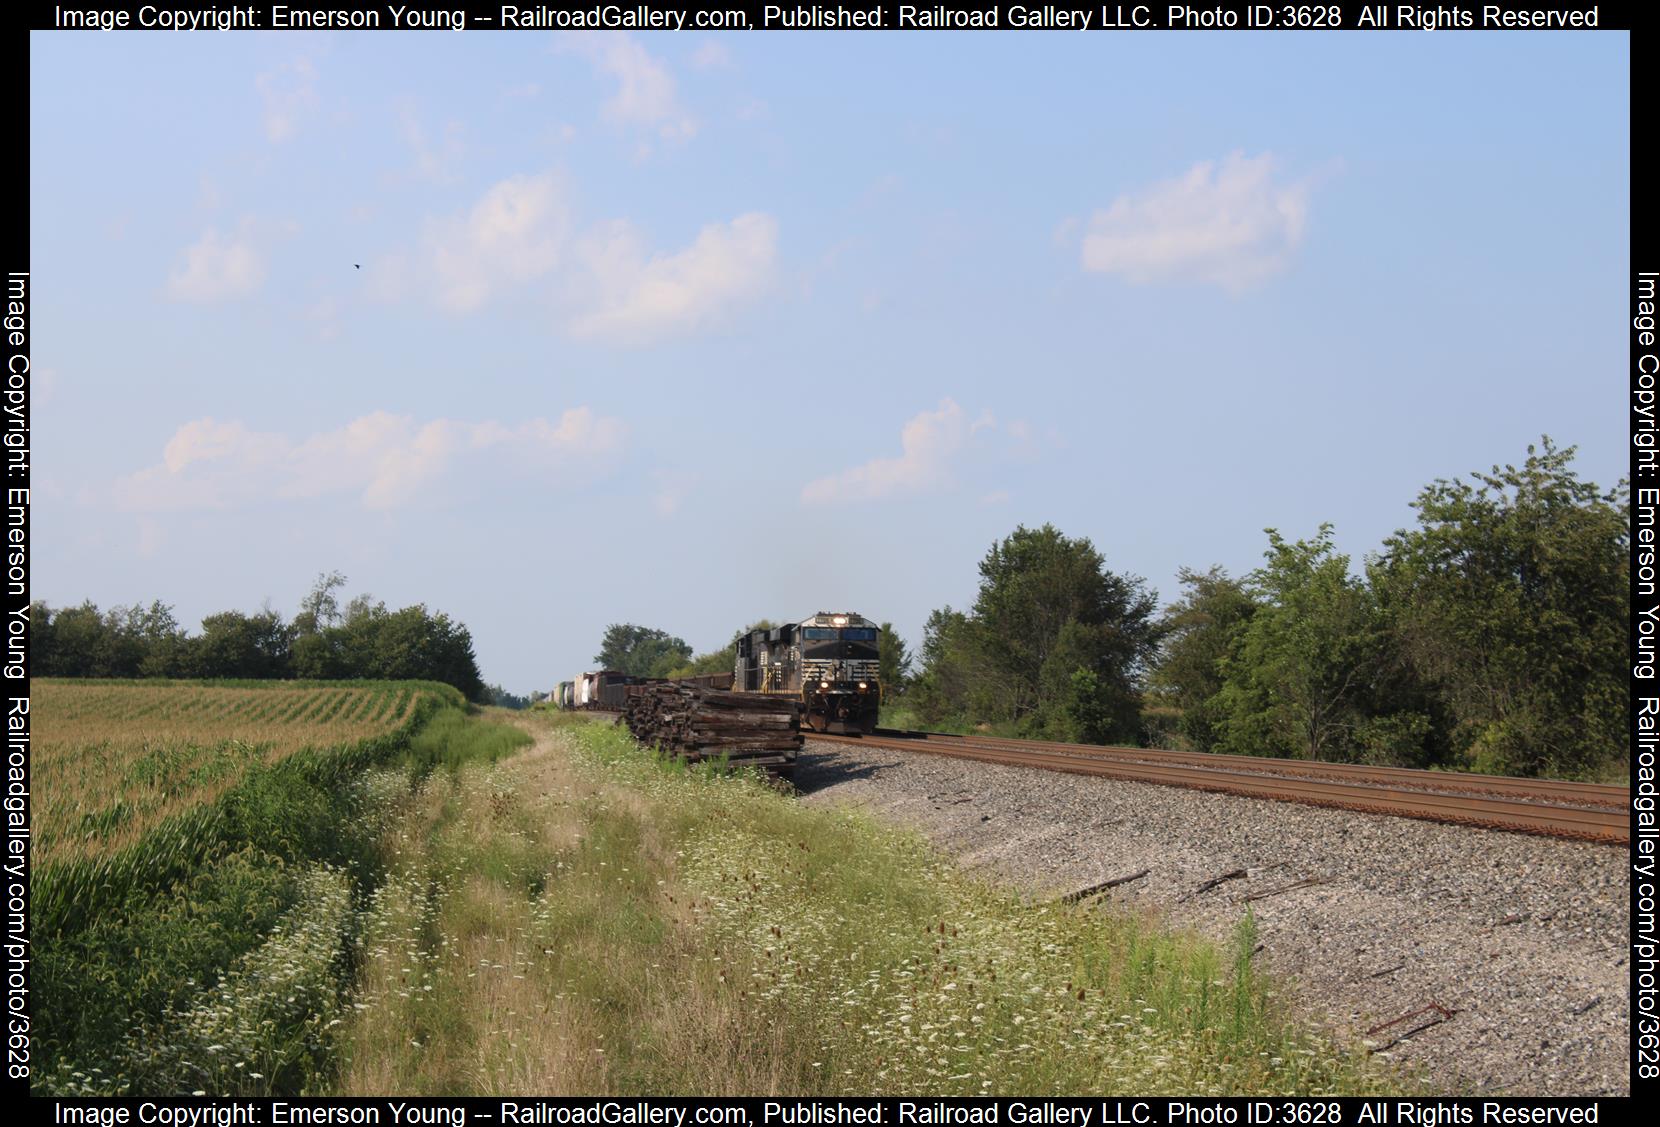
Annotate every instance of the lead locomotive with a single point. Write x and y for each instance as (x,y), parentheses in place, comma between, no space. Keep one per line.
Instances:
(829,662)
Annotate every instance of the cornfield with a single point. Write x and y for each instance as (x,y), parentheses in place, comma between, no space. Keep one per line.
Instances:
(127,775)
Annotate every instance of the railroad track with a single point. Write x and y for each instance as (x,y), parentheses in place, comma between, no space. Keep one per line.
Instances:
(1582,811)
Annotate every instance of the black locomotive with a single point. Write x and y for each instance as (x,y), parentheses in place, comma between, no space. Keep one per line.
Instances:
(829,662)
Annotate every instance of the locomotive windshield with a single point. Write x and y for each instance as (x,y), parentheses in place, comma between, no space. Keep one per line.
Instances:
(826,634)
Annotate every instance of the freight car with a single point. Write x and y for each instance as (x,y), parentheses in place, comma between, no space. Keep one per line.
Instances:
(829,662)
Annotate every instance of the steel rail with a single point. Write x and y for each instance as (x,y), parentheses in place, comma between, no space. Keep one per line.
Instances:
(1489,812)
(1450,782)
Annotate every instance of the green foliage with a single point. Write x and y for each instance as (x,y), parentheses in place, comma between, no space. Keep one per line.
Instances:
(135,641)
(233,644)
(1296,683)
(452,738)
(320,609)
(1511,602)
(954,674)
(1492,637)
(412,643)
(367,641)
(1200,629)
(1087,710)
(894,660)
(1047,609)
(641,651)
(148,954)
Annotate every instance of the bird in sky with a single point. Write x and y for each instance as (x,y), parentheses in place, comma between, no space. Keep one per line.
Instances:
(358,265)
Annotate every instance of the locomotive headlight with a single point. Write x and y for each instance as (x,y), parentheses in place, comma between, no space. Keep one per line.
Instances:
(862,685)
(824,684)
(840,620)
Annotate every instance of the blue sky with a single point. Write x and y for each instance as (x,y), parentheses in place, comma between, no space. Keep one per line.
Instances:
(689,330)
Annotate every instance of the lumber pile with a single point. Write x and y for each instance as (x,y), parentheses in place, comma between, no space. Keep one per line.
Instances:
(697,722)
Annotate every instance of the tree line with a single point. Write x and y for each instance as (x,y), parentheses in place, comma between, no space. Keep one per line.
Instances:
(323,641)
(1490,637)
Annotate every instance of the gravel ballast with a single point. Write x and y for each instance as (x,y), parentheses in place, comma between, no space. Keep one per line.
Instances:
(1524,937)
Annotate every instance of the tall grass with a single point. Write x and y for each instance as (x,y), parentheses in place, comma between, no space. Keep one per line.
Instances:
(583,919)
(452,738)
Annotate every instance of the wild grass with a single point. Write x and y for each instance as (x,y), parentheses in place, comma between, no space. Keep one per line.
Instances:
(583,919)
(452,738)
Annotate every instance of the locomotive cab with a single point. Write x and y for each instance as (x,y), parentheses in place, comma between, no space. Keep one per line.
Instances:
(830,662)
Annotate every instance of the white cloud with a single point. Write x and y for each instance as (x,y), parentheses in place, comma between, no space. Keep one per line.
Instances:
(515,234)
(521,232)
(218,266)
(646,96)
(929,442)
(727,263)
(385,459)
(289,93)
(1230,225)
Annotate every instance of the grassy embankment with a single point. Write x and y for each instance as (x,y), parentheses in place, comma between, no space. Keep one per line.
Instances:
(200,853)
(580,918)
(422,911)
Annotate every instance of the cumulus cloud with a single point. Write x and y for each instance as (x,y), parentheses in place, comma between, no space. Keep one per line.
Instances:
(1230,224)
(289,93)
(929,442)
(515,234)
(646,96)
(726,264)
(385,459)
(216,267)
(604,282)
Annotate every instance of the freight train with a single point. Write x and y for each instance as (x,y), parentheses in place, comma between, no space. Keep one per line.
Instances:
(829,662)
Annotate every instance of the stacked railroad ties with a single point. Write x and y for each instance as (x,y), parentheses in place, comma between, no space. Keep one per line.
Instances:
(703,721)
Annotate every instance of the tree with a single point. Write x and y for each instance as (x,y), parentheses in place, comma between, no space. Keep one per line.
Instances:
(408,644)
(894,660)
(86,642)
(320,610)
(165,645)
(1034,585)
(1512,600)
(1200,630)
(951,667)
(233,644)
(1047,607)
(1297,682)
(641,651)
